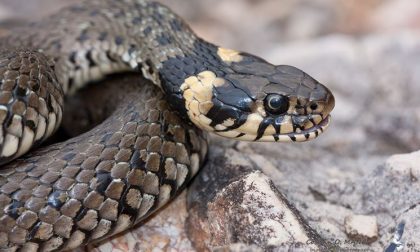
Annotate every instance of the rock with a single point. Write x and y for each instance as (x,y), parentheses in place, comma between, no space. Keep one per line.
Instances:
(361,228)
(406,165)
(231,202)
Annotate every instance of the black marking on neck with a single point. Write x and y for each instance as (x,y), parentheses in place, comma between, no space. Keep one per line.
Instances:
(201,57)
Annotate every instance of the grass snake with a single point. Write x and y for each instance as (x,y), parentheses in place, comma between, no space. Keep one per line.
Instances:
(108,179)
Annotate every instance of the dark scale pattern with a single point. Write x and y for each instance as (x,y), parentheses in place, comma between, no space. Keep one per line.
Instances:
(114,176)
(85,49)
(176,69)
(102,182)
(30,95)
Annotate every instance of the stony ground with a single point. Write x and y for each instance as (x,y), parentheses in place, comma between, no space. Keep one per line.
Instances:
(349,184)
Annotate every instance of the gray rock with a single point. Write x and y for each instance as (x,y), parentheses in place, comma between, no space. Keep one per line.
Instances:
(231,202)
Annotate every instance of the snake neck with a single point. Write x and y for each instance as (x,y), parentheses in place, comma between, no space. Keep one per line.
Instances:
(176,73)
(107,37)
(139,36)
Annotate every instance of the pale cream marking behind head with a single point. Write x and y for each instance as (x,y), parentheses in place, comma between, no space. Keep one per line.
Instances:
(229,55)
(220,127)
(198,94)
(205,107)
(229,122)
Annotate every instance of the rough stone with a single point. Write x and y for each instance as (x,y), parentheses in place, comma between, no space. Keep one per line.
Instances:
(231,202)
(406,165)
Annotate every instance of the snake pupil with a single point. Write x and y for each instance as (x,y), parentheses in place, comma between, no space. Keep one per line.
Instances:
(277,104)
(314,106)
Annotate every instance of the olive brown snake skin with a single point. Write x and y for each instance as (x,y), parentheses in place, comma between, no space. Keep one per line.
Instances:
(108,179)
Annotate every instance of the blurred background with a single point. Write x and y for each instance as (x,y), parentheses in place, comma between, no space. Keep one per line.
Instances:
(368,53)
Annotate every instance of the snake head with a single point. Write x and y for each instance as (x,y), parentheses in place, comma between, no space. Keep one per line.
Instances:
(246,98)
(256,101)
(288,105)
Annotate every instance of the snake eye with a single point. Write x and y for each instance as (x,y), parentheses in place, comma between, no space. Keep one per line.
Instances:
(276,104)
(314,106)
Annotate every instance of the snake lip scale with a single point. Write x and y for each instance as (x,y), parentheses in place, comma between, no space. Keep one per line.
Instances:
(152,141)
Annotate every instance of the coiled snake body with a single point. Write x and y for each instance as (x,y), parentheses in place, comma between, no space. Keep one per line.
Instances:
(110,178)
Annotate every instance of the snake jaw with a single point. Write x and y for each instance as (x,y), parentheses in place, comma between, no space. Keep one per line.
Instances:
(296,136)
(312,132)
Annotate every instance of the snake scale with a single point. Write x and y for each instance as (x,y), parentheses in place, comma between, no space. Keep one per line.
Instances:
(106,180)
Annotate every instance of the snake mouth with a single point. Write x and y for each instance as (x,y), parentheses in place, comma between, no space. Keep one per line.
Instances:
(303,135)
(311,133)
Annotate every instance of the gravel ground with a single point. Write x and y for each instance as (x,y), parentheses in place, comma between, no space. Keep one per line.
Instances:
(367,52)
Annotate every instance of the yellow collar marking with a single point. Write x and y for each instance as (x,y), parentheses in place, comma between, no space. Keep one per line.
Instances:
(198,94)
(229,55)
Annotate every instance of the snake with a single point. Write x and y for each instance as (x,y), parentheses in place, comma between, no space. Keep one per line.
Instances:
(154,137)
